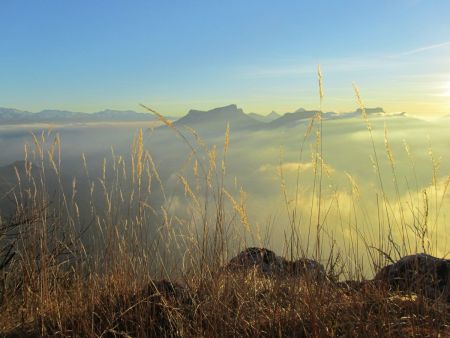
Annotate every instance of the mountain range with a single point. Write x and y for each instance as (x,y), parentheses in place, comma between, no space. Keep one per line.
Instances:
(265,118)
(15,116)
(231,114)
(214,118)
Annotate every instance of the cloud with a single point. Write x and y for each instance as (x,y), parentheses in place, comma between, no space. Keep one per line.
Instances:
(291,167)
(343,65)
(422,49)
(338,65)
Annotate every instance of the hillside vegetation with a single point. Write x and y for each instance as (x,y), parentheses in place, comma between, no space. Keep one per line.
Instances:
(114,266)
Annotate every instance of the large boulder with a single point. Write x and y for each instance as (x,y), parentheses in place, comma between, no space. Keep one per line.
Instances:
(260,259)
(307,267)
(268,263)
(421,274)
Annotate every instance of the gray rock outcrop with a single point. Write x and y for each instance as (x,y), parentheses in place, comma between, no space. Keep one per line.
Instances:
(420,273)
(268,263)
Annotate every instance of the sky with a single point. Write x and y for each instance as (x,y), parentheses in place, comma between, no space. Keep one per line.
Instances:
(85,55)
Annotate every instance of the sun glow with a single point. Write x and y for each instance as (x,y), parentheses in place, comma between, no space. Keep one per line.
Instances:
(446,90)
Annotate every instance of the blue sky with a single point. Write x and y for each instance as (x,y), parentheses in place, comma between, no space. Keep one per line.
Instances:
(262,55)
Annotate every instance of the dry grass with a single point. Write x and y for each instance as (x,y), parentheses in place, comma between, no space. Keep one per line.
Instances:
(119,266)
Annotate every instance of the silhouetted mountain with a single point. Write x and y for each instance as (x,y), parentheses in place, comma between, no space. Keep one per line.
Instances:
(289,119)
(8,172)
(110,114)
(215,118)
(299,116)
(11,116)
(218,118)
(302,116)
(9,184)
(52,115)
(378,111)
(265,118)
(8,177)
(371,111)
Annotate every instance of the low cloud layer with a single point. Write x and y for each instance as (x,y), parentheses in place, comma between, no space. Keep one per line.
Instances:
(410,154)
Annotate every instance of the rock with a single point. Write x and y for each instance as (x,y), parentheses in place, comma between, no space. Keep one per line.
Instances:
(421,274)
(269,264)
(261,259)
(306,266)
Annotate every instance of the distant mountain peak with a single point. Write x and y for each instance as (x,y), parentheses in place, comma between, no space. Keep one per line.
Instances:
(9,170)
(376,110)
(218,117)
(229,110)
(273,113)
(300,110)
(230,106)
(289,119)
(265,118)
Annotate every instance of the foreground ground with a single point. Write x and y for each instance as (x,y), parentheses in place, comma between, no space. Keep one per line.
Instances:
(251,296)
